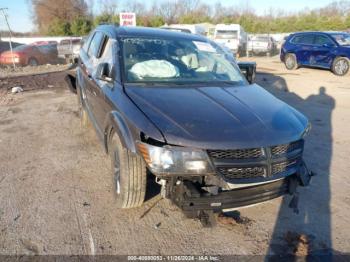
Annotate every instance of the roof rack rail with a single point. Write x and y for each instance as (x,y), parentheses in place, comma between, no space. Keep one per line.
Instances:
(107,23)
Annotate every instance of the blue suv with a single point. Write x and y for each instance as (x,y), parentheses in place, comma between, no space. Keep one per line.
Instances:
(329,50)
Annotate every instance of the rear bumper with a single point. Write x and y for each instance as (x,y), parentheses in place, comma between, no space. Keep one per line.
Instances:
(235,198)
(259,50)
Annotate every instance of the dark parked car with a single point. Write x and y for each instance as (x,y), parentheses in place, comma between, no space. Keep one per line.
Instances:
(5,45)
(170,104)
(318,49)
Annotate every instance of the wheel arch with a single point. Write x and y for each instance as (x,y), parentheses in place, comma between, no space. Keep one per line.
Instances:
(115,122)
(32,58)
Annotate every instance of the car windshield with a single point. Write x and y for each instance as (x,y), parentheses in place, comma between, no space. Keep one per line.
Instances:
(342,39)
(226,34)
(20,48)
(179,61)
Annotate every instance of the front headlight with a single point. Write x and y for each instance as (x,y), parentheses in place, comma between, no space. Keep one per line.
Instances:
(175,160)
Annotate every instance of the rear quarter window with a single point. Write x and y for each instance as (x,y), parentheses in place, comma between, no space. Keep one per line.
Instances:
(76,41)
(303,39)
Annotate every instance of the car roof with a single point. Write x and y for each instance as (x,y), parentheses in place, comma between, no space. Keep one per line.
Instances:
(133,31)
(318,32)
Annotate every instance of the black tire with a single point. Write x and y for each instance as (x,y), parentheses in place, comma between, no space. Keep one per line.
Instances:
(340,66)
(33,62)
(290,61)
(83,115)
(129,175)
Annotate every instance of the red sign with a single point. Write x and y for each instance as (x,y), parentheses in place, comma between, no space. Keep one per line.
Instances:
(127,19)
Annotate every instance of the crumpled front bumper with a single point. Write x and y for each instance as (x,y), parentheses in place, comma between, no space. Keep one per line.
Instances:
(191,200)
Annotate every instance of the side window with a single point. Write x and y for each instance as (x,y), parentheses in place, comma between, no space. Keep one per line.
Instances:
(107,52)
(95,44)
(296,39)
(322,40)
(307,39)
(87,42)
(303,39)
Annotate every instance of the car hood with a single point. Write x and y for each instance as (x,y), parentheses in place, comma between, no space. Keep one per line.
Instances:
(219,117)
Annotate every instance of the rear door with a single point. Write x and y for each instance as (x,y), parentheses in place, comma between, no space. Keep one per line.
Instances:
(322,53)
(85,72)
(303,47)
(92,91)
(100,87)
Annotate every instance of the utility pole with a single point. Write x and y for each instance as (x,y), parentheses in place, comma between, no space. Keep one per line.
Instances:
(8,25)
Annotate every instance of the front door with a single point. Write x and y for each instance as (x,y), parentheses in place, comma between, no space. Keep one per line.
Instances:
(322,53)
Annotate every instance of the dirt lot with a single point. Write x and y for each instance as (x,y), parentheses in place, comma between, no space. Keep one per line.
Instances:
(56,190)
(6,71)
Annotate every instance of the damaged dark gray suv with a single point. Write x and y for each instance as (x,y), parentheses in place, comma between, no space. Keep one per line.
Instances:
(173,105)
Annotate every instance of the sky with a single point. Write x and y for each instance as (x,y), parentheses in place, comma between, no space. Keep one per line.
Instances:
(20,16)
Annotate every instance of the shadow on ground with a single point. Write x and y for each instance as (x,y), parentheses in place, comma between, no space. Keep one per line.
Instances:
(309,232)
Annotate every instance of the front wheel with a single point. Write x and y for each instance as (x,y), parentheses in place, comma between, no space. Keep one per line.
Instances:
(83,115)
(129,175)
(33,62)
(340,66)
(291,62)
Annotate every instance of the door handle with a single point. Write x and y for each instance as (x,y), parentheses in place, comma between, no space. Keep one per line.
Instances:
(89,75)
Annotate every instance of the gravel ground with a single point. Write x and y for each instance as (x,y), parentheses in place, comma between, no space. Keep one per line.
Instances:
(56,190)
(8,71)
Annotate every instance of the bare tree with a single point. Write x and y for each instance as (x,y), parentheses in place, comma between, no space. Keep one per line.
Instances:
(170,10)
(109,7)
(46,11)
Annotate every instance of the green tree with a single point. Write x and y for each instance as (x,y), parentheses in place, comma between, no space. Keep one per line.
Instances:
(103,18)
(81,26)
(59,28)
(347,21)
(156,21)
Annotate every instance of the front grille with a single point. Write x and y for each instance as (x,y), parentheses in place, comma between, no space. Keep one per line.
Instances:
(257,163)
(285,149)
(245,172)
(236,154)
(283,166)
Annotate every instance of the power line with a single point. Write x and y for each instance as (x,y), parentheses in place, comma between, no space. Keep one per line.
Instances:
(3,9)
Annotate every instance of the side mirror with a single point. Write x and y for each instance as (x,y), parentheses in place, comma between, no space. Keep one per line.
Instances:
(249,70)
(103,72)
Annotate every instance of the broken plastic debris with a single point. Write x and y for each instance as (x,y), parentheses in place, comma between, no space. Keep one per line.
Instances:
(16,89)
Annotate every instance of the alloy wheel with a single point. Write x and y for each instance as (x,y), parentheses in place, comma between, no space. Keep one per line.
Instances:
(117,172)
(341,67)
(290,62)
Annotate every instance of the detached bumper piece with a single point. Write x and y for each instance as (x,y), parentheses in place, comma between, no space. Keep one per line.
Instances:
(195,203)
(190,199)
